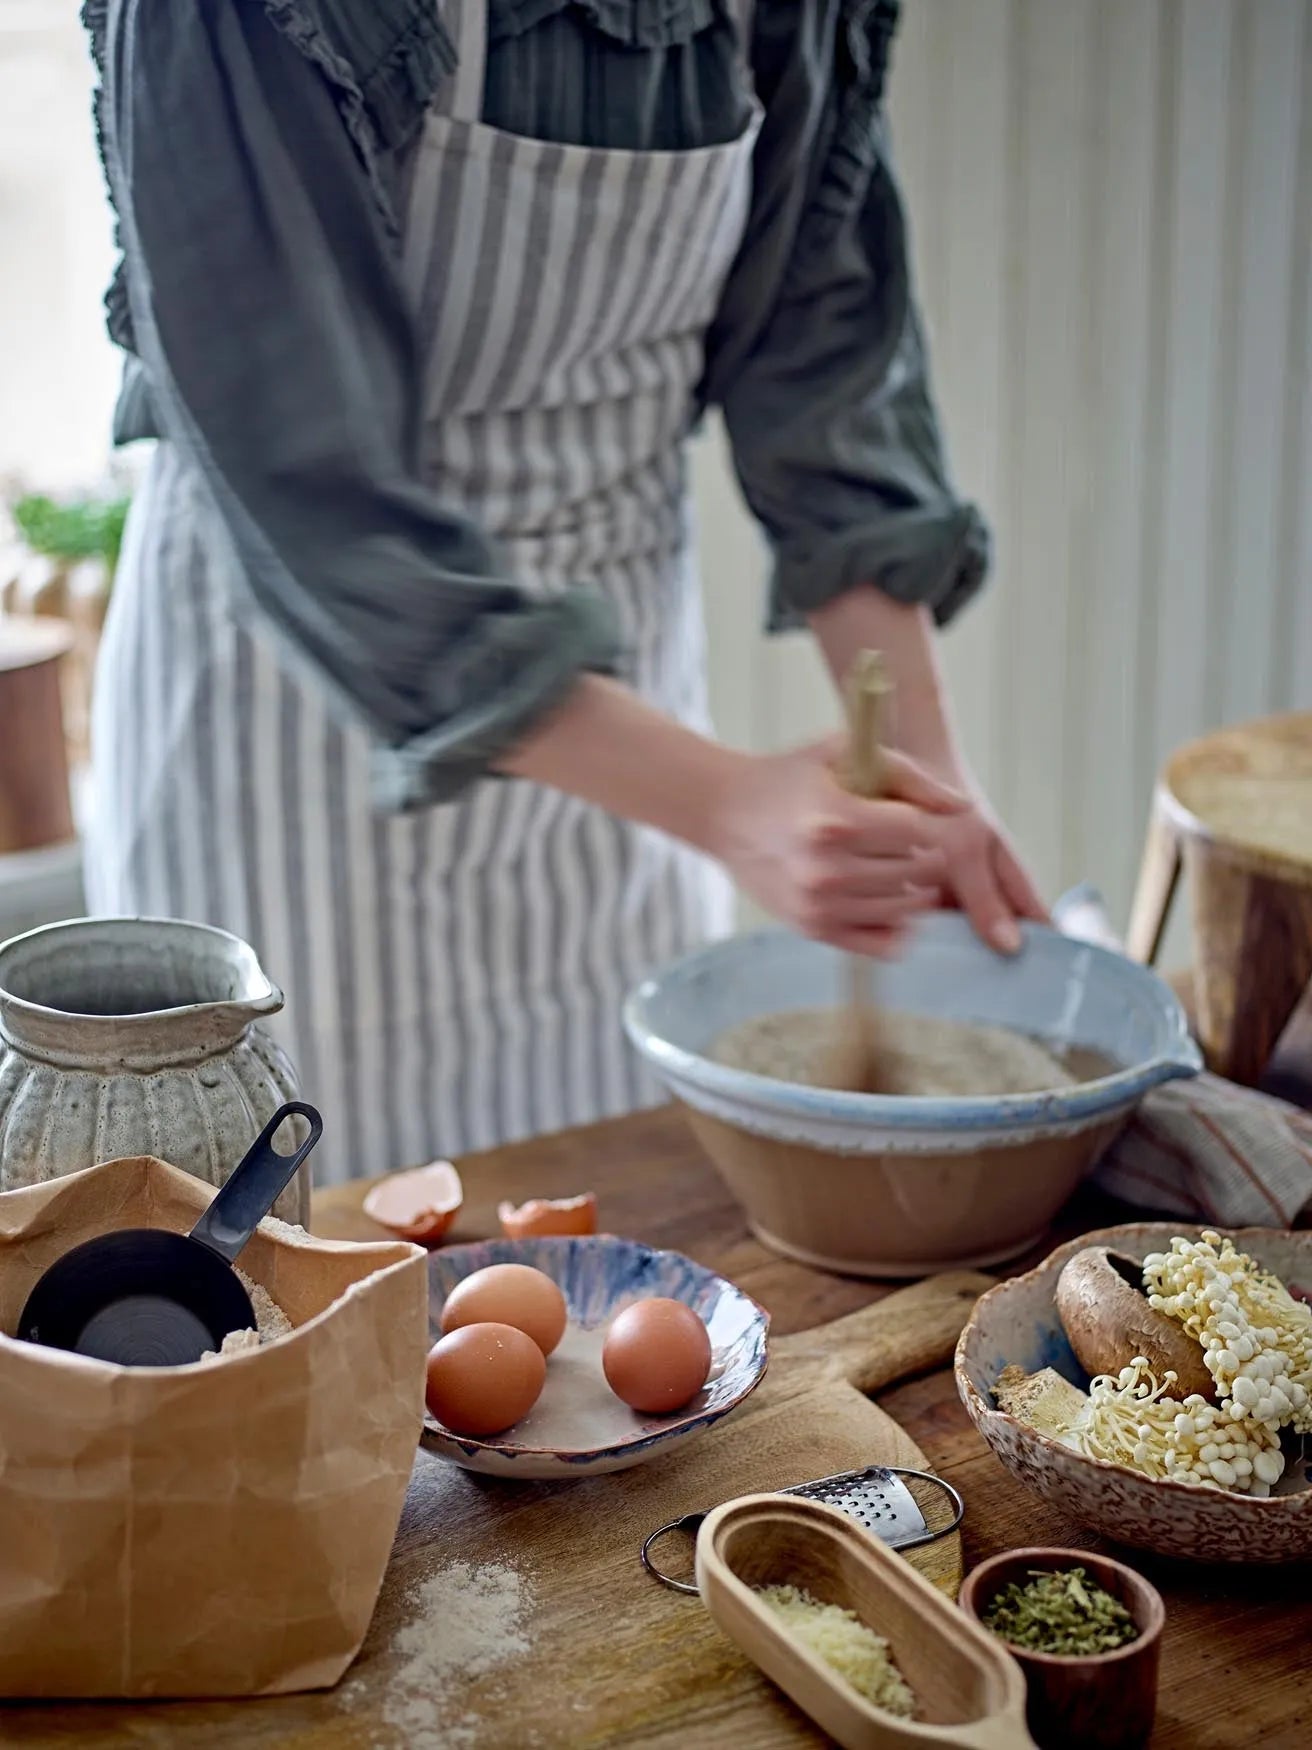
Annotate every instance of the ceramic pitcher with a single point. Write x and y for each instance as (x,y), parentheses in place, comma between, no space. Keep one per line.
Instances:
(136,1036)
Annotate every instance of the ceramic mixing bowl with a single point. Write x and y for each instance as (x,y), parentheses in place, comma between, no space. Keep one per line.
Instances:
(899,1186)
(1016,1323)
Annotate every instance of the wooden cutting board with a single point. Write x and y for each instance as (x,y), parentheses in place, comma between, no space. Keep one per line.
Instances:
(616,1658)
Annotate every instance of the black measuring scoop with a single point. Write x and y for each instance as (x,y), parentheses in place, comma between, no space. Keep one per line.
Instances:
(144,1297)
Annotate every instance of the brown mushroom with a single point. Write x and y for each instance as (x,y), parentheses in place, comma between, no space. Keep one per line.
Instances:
(1108,1321)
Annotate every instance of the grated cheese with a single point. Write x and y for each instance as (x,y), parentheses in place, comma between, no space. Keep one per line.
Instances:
(860,1656)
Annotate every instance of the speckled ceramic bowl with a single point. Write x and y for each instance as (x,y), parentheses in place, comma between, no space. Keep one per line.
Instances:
(578,1427)
(896,1186)
(1017,1323)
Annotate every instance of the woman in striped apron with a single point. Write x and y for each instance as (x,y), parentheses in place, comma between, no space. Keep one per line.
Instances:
(404,677)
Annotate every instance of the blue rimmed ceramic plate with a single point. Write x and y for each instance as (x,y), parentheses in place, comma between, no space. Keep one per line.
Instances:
(578,1427)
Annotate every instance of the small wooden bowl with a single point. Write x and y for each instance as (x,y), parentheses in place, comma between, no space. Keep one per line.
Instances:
(971,1692)
(1106,1701)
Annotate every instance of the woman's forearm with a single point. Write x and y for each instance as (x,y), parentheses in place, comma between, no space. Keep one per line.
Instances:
(865,618)
(842,869)
(606,746)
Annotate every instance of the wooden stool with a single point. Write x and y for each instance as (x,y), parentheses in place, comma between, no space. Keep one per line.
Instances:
(35,809)
(1235,811)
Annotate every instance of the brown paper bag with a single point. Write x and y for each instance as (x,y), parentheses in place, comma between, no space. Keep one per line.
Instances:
(212,1530)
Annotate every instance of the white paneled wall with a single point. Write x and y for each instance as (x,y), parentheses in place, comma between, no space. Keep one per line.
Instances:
(1111,204)
(58,372)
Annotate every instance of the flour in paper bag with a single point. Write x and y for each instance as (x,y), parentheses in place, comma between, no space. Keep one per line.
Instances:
(271,1322)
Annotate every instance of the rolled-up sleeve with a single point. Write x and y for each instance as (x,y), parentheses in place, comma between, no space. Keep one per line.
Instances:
(828,402)
(268,314)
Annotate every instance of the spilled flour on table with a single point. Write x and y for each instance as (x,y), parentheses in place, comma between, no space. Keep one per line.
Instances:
(465,1622)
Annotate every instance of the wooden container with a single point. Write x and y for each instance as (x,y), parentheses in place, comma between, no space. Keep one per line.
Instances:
(1234,812)
(76,592)
(1106,1702)
(969,1690)
(35,807)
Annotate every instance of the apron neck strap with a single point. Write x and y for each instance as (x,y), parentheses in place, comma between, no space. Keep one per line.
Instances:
(467,22)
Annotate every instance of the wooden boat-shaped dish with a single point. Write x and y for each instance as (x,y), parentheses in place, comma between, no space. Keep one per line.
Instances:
(971,1693)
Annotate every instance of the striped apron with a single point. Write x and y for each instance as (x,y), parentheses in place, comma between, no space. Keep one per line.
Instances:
(454,977)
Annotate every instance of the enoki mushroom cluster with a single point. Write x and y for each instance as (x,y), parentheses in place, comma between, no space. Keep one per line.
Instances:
(1256,1338)
(1132,1419)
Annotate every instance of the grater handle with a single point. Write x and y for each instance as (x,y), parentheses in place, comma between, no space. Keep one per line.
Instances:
(691,1523)
(946,1488)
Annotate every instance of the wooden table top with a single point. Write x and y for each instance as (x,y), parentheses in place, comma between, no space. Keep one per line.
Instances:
(1234,1659)
(1235,1669)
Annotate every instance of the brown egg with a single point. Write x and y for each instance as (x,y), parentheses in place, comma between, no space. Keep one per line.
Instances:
(482,1379)
(656,1356)
(508,1294)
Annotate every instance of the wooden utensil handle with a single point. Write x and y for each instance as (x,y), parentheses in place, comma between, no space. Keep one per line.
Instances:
(908,1332)
(1005,1731)
(866,694)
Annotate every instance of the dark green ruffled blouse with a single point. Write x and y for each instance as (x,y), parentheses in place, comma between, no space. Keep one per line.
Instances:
(255,150)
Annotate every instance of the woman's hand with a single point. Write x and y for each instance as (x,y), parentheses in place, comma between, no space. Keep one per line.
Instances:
(845,871)
(983,876)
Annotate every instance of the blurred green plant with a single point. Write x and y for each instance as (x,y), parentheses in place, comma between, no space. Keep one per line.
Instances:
(85,528)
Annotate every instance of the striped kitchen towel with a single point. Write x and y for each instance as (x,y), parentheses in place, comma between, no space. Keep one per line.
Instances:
(1220,1153)
(1203,1148)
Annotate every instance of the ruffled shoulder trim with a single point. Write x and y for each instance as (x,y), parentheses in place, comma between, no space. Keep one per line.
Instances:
(863,48)
(382,98)
(638,24)
(382,104)
(118,316)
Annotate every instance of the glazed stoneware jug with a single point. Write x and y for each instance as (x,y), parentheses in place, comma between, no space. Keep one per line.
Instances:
(136,1036)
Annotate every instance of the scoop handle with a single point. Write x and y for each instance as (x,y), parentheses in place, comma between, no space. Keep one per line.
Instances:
(1001,1731)
(255,1185)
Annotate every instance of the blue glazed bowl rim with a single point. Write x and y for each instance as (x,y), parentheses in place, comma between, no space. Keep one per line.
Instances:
(1179,1058)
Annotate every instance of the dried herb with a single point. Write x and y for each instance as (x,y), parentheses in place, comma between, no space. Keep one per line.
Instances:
(1062,1612)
